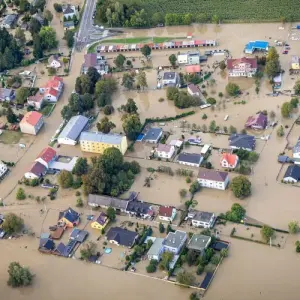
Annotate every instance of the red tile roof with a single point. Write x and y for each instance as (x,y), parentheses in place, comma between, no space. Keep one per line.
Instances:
(230,158)
(47,154)
(54,82)
(53,92)
(32,118)
(193,69)
(166,211)
(37,169)
(232,62)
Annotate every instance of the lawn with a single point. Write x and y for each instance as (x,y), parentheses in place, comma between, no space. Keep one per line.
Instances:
(10,137)
(48,109)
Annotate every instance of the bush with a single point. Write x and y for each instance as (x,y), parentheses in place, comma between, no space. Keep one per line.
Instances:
(18,276)
(20,194)
(211,101)
(79,202)
(188,180)
(232,89)
(182,193)
(108,110)
(204,117)
(200,269)
(161,228)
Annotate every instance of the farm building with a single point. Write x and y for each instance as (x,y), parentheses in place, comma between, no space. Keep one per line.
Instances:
(253,46)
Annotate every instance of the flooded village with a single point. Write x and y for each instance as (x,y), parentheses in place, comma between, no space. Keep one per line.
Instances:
(171,223)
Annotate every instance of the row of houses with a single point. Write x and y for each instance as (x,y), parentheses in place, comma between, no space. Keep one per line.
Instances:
(157,46)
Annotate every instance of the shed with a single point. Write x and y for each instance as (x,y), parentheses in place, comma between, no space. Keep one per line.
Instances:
(205,149)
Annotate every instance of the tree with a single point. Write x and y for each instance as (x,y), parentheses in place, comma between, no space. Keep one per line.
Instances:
(18,275)
(105,126)
(297,87)
(212,126)
(87,251)
(161,227)
(24,6)
(130,106)
(232,89)
(48,15)
(65,179)
(132,126)
(20,195)
(166,258)
(10,116)
(69,37)
(128,81)
(185,277)
(224,252)
(211,101)
(194,296)
(294,102)
(146,51)
(12,223)
(22,94)
(37,47)
(182,193)
(20,36)
(34,26)
(241,186)
(57,7)
(280,131)
(286,109)
(48,38)
(232,129)
(195,187)
(172,60)
(273,64)
(87,101)
(191,257)
(93,74)
(267,233)
(119,61)
(106,86)
(81,167)
(108,110)
(294,227)
(157,18)
(111,213)
(222,65)
(253,156)
(142,79)
(215,19)
(66,112)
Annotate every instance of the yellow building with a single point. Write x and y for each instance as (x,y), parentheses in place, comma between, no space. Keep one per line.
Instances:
(97,142)
(100,222)
(295,62)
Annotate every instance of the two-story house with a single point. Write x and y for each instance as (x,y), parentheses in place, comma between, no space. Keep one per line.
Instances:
(32,122)
(213,179)
(165,151)
(242,67)
(229,160)
(175,241)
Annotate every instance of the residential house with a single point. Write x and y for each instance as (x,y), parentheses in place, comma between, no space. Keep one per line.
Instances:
(92,60)
(105,202)
(139,209)
(36,171)
(189,58)
(36,100)
(292,174)
(7,94)
(165,151)
(199,243)
(193,69)
(194,90)
(69,217)
(79,235)
(190,159)
(167,213)
(242,141)
(3,169)
(97,142)
(156,249)
(170,79)
(121,237)
(213,179)
(32,122)
(53,89)
(242,67)
(54,62)
(257,122)
(46,245)
(9,21)
(62,163)
(201,218)
(46,157)
(296,152)
(175,241)
(100,222)
(69,25)
(295,63)
(69,12)
(229,160)
(72,130)
(153,135)
(176,143)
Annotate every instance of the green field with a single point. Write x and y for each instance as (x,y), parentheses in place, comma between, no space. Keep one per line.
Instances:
(226,10)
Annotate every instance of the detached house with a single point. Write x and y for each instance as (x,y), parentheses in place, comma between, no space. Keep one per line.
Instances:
(199,243)
(100,222)
(170,79)
(54,62)
(7,94)
(121,237)
(213,179)
(229,160)
(153,135)
(47,156)
(175,241)
(36,100)
(201,218)
(53,89)
(32,122)
(292,174)
(190,159)
(242,141)
(167,213)
(70,11)
(139,209)
(242,67)
(36,171)
(194,90)
(70,217)
(257,122)
(92,60)
(296,152)
(189,58)
(165,151)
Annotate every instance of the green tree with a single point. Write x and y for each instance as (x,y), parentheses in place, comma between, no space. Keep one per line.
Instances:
(286,109)
(84,85)
(222,65)
(57,7)
(87,251)
(294,102)
(48,38)
(34,26)
(280,131)
(79,202)
(48,15)
(161,227)
(105,126)
(93,74)
(172,93)
(195,187)
(294,227)
(37,47)
(81,167)
(253,156)
(166,258)
(212,126)
(106,86)
(146,51)
(215,19)
(22,94)
(10,116)
(18,275)
(108,110)
(111,213)
(224,252)
(267,233)
(297,87)
(182,193)
(232,89)
(157,18)
(119,61)
(172,60)
(185,277)
(232,129)
(65,179)
(12,223)
(20,195)
(241,186)
(130,106)
(69,37)
(211,101)
(273,64)
(194,296)
(20,36)
(141,79)
(191,257)
(132,126)
(128,81)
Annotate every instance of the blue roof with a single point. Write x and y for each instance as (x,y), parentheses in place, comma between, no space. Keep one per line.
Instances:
(70,214)
(153,134)
(262,45)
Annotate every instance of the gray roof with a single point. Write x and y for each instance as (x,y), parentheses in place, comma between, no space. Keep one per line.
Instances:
(296,149)
(242,141)
(74,127)
(169,75)
(213,175)
(79,235)
(107,201)
(10,19)
(193,158)
(122,236)
(152,134)
(198,242)
(203,216)
(69,24)
(68,10)
(5,93)
(156,247)
(174,239)
(109,138)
